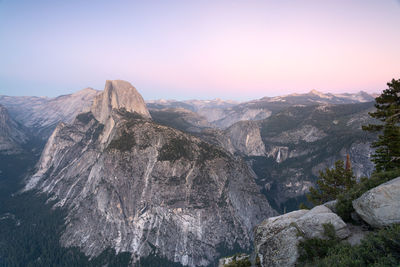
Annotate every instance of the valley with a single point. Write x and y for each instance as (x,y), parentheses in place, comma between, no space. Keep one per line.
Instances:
(163,181)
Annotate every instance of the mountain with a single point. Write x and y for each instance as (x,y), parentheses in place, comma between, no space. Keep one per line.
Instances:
(316,97)
(223,114)
(12,135)
(134,185)
(193,105)
(287,150)
(41,114)
(181,119)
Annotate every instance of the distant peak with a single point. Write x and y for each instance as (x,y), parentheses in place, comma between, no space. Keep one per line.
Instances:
(315,92)
(118,94)
(86,91)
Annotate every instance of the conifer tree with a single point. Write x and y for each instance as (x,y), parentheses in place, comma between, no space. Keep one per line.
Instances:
(331,183)
(387,154)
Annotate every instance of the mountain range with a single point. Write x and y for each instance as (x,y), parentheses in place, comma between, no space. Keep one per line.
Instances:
(182,180)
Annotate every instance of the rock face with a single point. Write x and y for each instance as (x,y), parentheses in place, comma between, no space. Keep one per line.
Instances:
(134,185)
(380,206)
(118,94)
(277,238)
(12,135)
(246,139)
(41,114)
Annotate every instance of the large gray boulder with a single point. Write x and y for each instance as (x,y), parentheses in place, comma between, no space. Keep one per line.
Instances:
(277,238)
(380,206)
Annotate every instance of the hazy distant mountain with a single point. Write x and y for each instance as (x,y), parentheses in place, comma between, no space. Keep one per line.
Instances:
(194,105)
(314,97)
(41,114)
(223,114)
(181,119)
(134,185)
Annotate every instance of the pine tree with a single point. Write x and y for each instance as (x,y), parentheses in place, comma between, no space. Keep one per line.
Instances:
(387,153)
(331,183)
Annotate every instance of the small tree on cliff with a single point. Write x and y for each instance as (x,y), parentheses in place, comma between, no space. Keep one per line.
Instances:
(331,183)
(387,154)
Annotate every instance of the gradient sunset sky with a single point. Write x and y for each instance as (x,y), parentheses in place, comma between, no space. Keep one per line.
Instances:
(199,49)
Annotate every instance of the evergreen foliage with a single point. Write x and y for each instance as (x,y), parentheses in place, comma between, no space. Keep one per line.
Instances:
(387,154)
(332,182)
(175,149)
(124,143)
(380,248)
(316,247)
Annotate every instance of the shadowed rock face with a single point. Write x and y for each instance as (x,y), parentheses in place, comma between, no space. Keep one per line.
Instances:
(12,135)
(133,185)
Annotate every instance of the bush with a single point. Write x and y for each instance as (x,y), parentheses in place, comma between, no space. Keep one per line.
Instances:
(377,249)
(315,248)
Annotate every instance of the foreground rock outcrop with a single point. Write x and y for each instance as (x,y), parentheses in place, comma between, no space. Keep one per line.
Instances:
(277,238)
(137,186)
(380,206)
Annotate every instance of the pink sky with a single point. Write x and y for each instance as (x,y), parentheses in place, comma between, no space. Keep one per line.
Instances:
(200,49)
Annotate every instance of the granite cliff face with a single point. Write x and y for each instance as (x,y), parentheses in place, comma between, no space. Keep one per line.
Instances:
(116,95)
(12,135)
(134,185)
(41,114)
(288,149)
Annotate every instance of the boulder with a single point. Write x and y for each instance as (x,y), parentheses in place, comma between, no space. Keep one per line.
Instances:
(331,205)
(380,206)
(277,238)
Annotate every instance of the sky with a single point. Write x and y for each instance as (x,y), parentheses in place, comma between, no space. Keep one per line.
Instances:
(203,49)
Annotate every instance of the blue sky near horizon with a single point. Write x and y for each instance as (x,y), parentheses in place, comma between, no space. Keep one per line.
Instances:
(199,49)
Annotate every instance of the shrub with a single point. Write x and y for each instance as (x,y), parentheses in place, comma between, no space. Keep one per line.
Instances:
(377,249)
(314,248)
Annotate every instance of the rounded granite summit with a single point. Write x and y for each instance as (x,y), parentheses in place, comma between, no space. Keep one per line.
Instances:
(118,94)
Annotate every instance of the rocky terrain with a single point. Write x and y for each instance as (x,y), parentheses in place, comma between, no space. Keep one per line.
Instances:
(41,114)
(277,238)
(287,150)
(134,185)
(107,159)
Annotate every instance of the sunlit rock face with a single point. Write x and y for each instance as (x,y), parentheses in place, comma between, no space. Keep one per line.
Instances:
(134,185)
(116,95)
